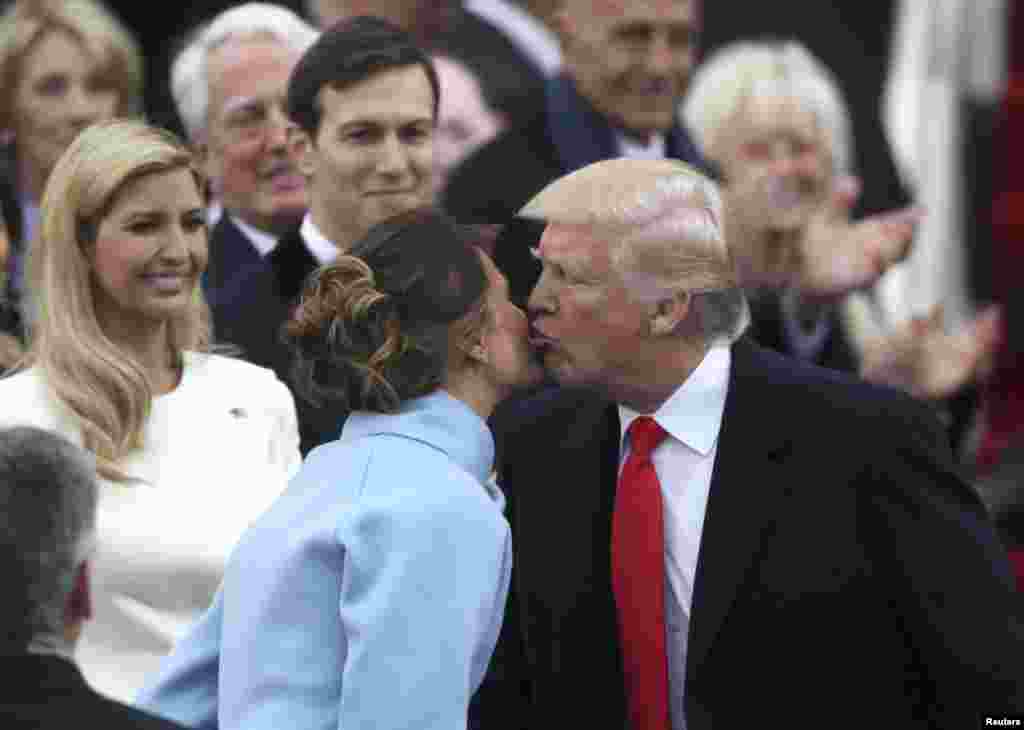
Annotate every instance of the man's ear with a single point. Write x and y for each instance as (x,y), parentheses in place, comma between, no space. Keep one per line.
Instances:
(669,313)
(302,149)
(79,607)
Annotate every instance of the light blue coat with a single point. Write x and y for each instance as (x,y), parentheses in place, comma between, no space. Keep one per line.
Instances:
(369,595)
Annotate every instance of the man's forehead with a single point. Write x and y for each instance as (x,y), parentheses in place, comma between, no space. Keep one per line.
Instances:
(568,240)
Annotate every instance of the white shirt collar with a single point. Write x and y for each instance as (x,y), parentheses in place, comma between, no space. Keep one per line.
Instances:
(262,241)
(693,413)
(653,150)
(527,32)
(316,242)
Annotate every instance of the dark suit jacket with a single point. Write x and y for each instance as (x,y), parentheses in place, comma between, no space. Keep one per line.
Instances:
(503,175)
(10,313)
(844,572)
(250,313)
(49,693)
(232,255)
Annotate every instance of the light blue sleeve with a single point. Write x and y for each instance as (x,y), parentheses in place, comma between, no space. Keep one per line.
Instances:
(421,584)
(185,687)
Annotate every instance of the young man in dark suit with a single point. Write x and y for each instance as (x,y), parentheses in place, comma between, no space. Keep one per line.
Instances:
(47,513)
(363,100)
(708,534)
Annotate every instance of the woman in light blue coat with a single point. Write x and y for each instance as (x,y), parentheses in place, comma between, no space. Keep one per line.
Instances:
(370,595)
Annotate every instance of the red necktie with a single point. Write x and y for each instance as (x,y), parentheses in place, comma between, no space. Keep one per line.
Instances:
(638,579)
(1004,396)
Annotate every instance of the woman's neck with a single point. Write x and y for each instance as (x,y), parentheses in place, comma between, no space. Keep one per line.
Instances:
(475,392)
(150,346)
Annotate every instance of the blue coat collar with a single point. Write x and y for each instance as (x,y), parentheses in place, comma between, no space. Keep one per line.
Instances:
(582,136)
(438,420)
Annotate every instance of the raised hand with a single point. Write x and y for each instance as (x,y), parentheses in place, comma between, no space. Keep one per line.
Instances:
(926,361)
(835,256)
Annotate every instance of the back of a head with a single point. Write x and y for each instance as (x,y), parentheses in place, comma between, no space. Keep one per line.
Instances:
(345,54)
(47,509)
(374,328)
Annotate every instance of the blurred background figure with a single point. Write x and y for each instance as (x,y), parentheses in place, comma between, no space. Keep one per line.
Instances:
(10,346)
(625,66)
(64,64)
(769,114)
(48,495)
(465,120)
(422,18)
(229,83)
(191,446)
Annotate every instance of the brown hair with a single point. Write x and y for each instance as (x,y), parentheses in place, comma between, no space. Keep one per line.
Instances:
(377,326)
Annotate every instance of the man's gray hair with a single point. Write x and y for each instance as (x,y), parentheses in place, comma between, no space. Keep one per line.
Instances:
(190,84)
(723,82)
(48,494)
(664,220)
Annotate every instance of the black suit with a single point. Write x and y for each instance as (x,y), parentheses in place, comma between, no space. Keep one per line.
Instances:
(250,312)
(43,692)
(232,255)
(845,573)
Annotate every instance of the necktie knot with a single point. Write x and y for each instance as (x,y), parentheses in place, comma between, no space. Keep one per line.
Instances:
(644,437)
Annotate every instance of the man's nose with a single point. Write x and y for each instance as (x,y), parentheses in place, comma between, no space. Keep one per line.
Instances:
(394,157)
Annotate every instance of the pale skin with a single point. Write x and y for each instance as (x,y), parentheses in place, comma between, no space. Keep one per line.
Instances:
(630,58)
(149,253)
(373,153)
(244,149)
(489,367)
(593,332)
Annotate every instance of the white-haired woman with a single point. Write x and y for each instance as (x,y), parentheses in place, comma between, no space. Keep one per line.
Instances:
(770,115)
(191,446)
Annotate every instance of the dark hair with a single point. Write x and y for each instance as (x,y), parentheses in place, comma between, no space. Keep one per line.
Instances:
(374,327)
(347,53)
(47,506)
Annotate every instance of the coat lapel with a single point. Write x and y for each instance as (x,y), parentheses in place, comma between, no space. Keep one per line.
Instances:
(748,480)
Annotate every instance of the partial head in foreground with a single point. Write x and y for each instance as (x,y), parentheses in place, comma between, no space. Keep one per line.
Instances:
(415,306)
(637,280)
(48,498)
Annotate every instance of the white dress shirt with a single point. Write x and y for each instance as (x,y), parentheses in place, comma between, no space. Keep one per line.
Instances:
(323,250)
(218,449)
(684,461)
(262,241)
(655,149)
(527,32)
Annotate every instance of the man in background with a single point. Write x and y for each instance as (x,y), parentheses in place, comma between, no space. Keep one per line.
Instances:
(229,85)
(48,496)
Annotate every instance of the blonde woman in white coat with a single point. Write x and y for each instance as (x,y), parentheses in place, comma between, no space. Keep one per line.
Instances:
(191,446)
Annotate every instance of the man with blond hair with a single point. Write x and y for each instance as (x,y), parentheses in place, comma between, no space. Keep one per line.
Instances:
(729,535)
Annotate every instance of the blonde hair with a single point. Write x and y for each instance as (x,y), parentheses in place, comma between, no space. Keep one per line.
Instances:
(26,22)
(722,83)
(664,222)
(106,390)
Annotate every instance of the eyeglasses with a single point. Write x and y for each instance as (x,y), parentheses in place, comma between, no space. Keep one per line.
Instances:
(251,119)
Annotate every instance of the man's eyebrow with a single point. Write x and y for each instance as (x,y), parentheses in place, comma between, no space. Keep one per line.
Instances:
(241,103)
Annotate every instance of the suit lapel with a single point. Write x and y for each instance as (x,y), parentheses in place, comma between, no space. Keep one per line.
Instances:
(291,263)
(748,479)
